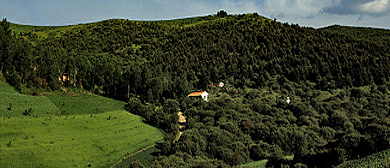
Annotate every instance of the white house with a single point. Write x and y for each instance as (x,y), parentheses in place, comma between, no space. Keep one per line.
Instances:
(204,95)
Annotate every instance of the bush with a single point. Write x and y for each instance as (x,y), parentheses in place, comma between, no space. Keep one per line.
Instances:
(357,93)
(171,106)
(300,165)
(252,94)
(135,106)
(136,164)
(383,88)
(28,112)
(264,150)
(9,144)
(222,13)
(303,145)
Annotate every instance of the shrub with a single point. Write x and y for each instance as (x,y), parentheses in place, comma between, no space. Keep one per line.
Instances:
(222,13)
(28,112)
(9,144)
(300,165)
(356,92)
(383,88)
(252,94)
(327,132)
(135,106)
(136,164)
(264,150)
(171,106)
(10,106)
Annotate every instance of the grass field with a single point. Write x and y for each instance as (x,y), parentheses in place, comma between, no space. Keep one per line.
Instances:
(85,104)
(146,158)
(68,131)
(41,106)
(380,159)
(53,105)
(41,31)
(74,140)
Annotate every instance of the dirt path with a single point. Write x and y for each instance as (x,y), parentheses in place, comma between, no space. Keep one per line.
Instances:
(182,122)
(151,146)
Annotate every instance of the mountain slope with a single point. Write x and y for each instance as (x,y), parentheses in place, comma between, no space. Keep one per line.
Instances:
(246,49)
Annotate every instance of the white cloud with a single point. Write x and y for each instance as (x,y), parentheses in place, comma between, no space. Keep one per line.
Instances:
(377,6)
(304,12)
(243,6)
(359,7)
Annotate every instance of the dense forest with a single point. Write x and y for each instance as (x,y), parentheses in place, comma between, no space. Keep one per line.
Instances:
(337,78)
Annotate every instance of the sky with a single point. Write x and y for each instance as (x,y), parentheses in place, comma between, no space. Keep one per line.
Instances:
(310,13)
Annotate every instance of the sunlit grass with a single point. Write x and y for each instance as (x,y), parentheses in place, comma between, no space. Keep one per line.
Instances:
(74,140)
(14,104)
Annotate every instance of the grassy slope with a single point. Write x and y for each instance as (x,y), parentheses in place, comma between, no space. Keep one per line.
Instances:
(85,104)
(41,31)
(42,106)
(146,158)
(75,140)
(380,159)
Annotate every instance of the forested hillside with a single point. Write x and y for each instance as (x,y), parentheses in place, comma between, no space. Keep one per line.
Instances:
(337,76)
(155,57)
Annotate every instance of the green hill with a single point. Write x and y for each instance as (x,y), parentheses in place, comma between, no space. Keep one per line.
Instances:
(336,77)
(245,49)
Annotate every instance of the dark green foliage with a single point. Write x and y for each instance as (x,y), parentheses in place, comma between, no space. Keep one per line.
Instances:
(162,60)
(135,106)
(264,150)
(136,164)
(222,13)
(28,112)
(171,106)
(337,81)
(9,144)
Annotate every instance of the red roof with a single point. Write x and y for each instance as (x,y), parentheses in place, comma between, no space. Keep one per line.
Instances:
(196,93)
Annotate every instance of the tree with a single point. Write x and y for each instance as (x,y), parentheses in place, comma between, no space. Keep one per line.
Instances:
(222,13)
(135,106)
(136,164)
(5,37)
(303,145)
(171,106)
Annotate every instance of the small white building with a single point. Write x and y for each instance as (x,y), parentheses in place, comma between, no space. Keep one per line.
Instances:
(204,95)
(221,84)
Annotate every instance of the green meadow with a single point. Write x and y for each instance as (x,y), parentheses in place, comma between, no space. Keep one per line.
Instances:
(85,104)
(97,138)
